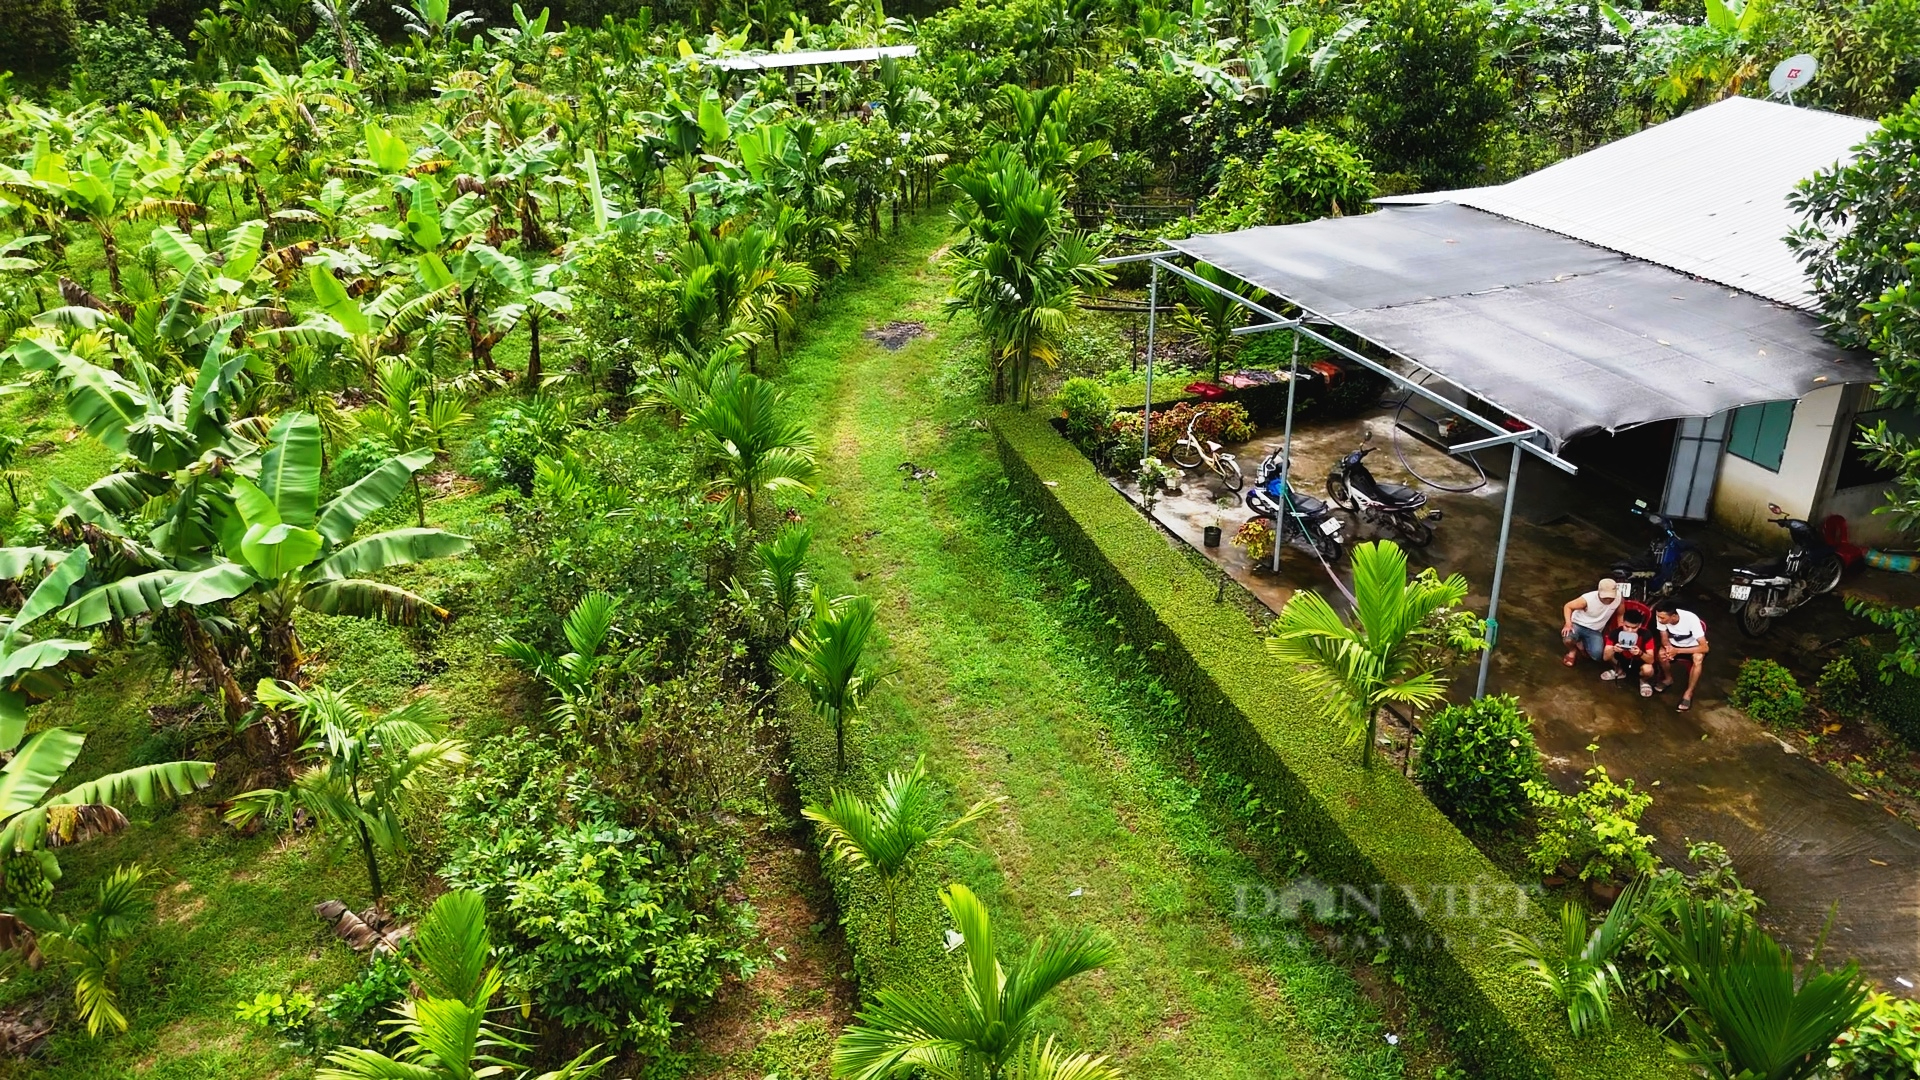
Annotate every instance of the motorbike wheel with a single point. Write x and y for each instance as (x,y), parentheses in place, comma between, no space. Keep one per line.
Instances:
(1685,571)
(1415,532)
(1341,495)
(1329,547)
(1825,575)
(1230,472)
(1185,454)
(1752,623)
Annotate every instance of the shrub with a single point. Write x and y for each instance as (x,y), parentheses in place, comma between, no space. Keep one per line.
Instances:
(518,437)
(1839,690)
(1088,410)
(1307,175)
(603,927)
(1221,421)
(120,61)
(1595,830)
(1768,693)
(1884,1045)
(1887,694)
(1476,759)
(1426,93)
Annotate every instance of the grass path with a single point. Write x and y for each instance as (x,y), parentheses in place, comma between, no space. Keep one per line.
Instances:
(1098,830)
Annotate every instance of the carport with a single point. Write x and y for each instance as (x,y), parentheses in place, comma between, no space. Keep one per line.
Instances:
(1533,335)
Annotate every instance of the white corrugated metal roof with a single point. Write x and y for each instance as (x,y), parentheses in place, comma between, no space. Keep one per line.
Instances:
(1705,193)
(811,58)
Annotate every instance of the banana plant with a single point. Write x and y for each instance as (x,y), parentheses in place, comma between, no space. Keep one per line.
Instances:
(103,191)
(367,330)
(530,294)
(281,546)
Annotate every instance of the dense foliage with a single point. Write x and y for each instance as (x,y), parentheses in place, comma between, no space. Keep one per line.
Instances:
(1475,760)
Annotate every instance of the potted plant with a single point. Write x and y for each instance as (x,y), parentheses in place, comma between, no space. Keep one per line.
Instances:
(1210,531)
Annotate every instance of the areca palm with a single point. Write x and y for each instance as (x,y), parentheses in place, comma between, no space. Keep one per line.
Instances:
(736,286)
(889,833)
(572,676)
(1211,317)
(443,1031)
(363,768)
(825,659)
(1382,657)
(1021,271)
(986,1031)
(94,945)
(757,446)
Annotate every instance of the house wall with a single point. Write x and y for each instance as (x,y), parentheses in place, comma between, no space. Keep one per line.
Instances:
(1745,490)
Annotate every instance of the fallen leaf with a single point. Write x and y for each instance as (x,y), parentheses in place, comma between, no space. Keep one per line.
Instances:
(1876,862)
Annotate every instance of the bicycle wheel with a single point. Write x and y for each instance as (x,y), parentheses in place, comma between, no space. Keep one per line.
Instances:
(1230,472)
(1186,454)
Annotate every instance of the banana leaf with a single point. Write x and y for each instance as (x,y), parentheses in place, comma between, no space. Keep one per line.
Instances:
(365,599)
(370,493)
(290,471)
(397,547)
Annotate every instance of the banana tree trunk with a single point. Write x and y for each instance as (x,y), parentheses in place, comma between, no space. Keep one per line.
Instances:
(110,247)
(533,353)
(206,656)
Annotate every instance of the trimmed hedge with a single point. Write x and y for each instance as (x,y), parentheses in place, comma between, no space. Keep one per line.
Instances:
(1371,830)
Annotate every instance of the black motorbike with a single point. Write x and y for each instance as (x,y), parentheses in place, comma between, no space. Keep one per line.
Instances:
(1305,515)
(1394,506)
(1765,591)
(1669,563)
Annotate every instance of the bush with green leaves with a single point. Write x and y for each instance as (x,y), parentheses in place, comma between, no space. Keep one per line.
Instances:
(601,926)
(1839,690)
(1305,176)
(1769,693)
(1425,92)
(1593,833)
(121,60)
(1087,408)
(1221,421)
(519,437)
(1884,1044)
(1476,759)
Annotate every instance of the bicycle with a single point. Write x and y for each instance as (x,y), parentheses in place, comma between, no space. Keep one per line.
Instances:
(1192,451)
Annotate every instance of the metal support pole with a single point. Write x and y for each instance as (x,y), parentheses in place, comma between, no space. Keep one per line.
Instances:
(1499,571)
(1286,456)
(1146,415)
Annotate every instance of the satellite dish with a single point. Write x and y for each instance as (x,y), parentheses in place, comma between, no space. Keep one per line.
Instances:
(1793,73)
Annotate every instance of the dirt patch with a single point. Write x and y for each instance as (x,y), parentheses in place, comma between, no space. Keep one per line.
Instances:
(448,482)
(895,335)
(785,1017)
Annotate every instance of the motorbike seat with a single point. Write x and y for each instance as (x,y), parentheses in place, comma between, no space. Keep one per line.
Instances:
(1308,506)
(1773,568)
(1400,495)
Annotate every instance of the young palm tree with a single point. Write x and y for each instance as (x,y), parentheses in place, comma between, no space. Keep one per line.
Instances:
(571,676)
(983,1032)
(1383,656)
(890,833)
(1211,317)
(1577,968)
(1021,271)
(757,448)
(1753,1016)
(364,768)
(824,659)
(93,945)
(442,1029)
(780,572)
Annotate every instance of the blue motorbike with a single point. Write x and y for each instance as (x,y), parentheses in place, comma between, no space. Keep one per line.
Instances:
(1669,563)
(1763,591)
(1305,516)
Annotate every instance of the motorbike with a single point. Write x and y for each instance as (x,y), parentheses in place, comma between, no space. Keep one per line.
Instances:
(1353,489)
(1305,515)
(1765,591)
(1668,564)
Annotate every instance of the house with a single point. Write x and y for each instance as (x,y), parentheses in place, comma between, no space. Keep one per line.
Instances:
(1705,195)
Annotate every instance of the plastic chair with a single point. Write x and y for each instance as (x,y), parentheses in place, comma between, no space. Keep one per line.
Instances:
(1834,531)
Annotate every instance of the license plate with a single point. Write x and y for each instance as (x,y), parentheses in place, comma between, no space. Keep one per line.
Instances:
(1626,589)
(1331,527)
(1740,592)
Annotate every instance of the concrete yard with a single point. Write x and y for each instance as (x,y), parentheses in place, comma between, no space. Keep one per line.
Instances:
(1800,836)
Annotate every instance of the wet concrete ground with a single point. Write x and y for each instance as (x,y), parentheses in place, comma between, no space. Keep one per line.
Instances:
(1800,836)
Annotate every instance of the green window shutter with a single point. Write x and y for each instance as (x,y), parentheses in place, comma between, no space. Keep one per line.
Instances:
(1759,433)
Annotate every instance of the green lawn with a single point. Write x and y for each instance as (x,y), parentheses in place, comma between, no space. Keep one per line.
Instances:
(994,682)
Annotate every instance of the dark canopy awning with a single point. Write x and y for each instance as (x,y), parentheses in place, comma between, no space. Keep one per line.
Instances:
(1570,338)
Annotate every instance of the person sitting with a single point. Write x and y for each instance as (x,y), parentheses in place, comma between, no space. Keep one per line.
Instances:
(1585,619)
(1683,639)
(1632,645)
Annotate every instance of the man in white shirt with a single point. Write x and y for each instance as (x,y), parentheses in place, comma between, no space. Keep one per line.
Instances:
(1585,618)
(1683,639)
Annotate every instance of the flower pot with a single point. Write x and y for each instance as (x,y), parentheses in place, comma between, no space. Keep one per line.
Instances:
(1606,892)
(1210,536)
